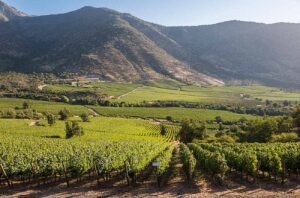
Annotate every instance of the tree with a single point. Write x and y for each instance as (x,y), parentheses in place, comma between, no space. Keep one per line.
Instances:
(200,131)
(191,130)
(163,130)
(73,129)
(65,99)
(286,103)
(26,105)
(169,118)
(219,119)
(10,113)
(234,128)
(285,124)
(268,102)
(64,114)
(221,127)
(261,130)
(296,117)
(85,117)
(243,120)
(51,119)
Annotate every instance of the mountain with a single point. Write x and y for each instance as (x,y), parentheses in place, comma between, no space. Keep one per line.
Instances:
(89,41)
(8,13)
(267,53)
(234,50)
(120,47)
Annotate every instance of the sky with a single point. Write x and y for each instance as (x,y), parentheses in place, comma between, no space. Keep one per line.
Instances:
(177,12)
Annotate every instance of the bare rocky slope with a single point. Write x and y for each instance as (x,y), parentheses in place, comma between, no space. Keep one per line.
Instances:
(7,12)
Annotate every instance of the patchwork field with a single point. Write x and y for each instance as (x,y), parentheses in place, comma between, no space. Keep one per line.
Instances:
(42,106)
(176,91)
(178,114)
(225,95)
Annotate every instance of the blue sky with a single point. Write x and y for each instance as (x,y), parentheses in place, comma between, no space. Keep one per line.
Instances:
(177,12)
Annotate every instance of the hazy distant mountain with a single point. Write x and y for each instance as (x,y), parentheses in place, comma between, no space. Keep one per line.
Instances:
(121,47)
(7,13)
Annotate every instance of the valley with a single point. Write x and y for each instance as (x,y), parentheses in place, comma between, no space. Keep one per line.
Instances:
(152,114)
(95,102)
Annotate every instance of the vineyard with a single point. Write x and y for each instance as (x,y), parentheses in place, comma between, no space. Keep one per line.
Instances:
(41,106)
(99,128)
(134,147)
(176,113)
(249,160)
(27,159)
(33,160)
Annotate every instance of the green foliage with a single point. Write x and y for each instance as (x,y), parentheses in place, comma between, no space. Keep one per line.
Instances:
(225,139)
(191,130)
(219,119)
(9,113)
(188,161)
(73,129)
(261,130)
(214,162)
(65,99)
(164,161)
(51,119)
(163,130)
(64,114)
(51,157)
(26,105)
(169,118)
(296,117)
(85,117)
(285,124)
(249,158)
(285,137)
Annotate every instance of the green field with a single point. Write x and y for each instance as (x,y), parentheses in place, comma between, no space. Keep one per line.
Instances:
(42,106)
(167,90)
(99,128)
(110,88)
(227,94)
(176,113)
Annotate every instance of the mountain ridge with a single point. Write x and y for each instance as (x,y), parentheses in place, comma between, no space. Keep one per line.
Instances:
(121,47)
(8,13)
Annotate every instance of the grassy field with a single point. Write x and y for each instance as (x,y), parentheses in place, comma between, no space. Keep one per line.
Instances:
(42,106)
(227,94)
(177,91)
(109,88)
(176,113)
(99,128)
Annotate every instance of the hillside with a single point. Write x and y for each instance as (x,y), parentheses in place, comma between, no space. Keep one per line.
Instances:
(89,41)
(8,13)
(120,47)
(268,53)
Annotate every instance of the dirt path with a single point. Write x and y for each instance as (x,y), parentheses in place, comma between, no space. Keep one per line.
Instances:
(92,111)
(34,122)
(41,87)
(121,96)
(178,189)
(176,176)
